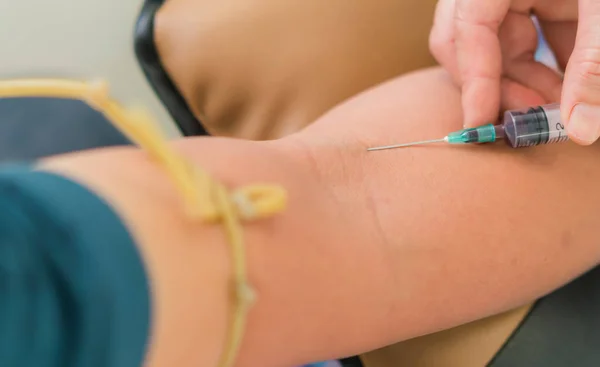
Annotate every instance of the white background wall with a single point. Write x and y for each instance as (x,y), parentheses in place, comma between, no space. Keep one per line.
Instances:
(76,38)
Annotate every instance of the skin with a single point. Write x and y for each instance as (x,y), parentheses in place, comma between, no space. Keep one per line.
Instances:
(242,91)
(489,48)
(263,69)
(358,223)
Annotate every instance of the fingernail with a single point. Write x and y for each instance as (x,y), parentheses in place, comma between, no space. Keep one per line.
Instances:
(584,124)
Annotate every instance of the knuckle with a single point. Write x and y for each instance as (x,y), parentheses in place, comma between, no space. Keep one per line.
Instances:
(590,70)
(589,64)
(477,14)
(475,23)
(438,44)
(435,42)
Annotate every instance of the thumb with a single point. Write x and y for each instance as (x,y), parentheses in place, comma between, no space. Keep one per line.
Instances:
(581,91)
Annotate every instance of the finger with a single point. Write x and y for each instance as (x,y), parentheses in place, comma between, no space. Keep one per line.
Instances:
(479,56)
(561,39)
(538,78)
(516,96)
(519,42)
(581,94)
(441,38)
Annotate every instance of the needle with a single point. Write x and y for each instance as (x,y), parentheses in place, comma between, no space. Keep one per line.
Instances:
(443,140)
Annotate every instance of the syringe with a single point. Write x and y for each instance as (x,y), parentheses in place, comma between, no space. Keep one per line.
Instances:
(519,128)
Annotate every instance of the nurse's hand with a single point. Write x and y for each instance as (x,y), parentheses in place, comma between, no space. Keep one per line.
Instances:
(489,47)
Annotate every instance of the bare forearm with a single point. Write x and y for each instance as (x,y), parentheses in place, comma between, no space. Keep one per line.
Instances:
(189,263)
(470,232)
(374,248)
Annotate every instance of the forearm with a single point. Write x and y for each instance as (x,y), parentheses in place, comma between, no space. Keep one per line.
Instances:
(472,231)
(189,263)
(374,248)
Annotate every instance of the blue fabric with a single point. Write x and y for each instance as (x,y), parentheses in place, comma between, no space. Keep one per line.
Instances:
(31,128)
(73,290)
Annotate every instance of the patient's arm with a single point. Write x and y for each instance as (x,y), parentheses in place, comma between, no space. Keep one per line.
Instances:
(472,230)
(374,248)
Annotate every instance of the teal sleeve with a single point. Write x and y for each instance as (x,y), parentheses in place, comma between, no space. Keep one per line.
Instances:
(73,288)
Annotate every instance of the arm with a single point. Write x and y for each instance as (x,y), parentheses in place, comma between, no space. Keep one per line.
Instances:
(220,56)
(372,245)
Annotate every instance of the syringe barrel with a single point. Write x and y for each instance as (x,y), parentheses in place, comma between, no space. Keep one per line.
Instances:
(534,126)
